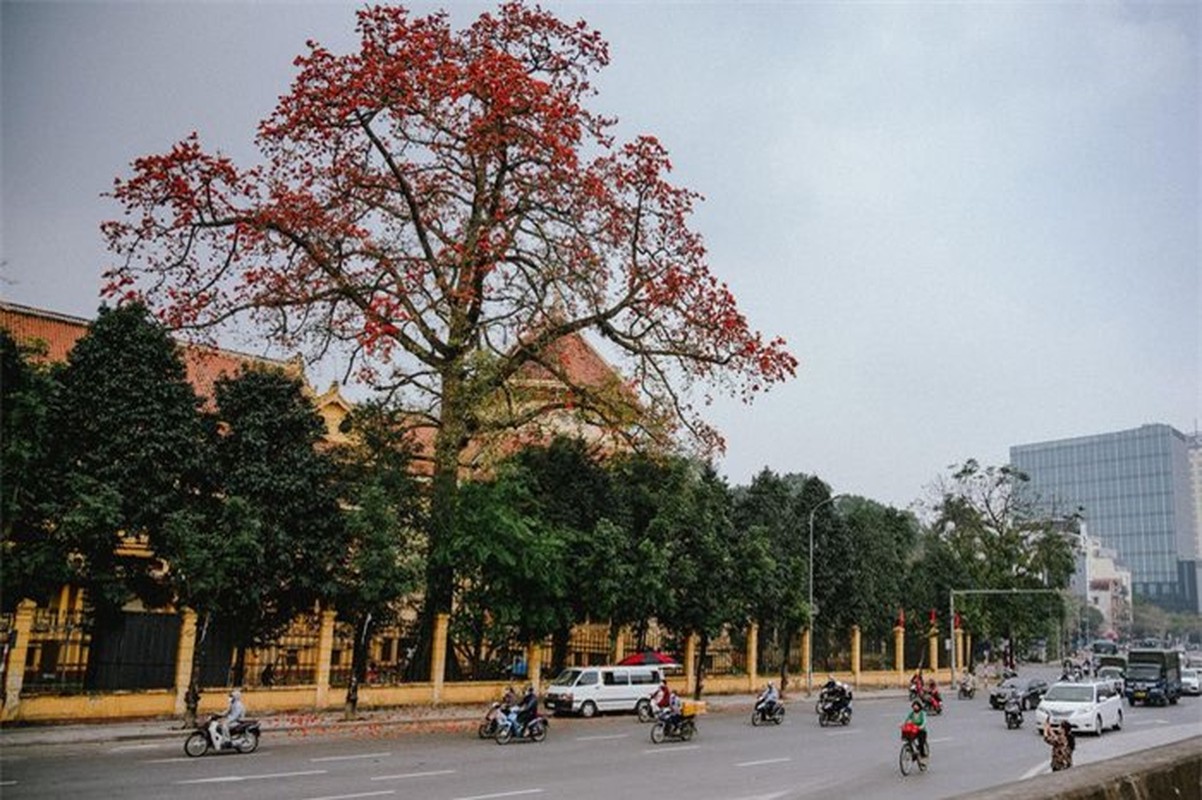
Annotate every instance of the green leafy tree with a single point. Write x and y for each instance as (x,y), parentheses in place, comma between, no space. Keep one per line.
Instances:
(127,436)
(33,562)
(385,518)
(706,587)
(987,532)
(267,457)
(773,553)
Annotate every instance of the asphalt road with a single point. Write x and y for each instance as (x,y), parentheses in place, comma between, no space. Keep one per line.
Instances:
(602,759)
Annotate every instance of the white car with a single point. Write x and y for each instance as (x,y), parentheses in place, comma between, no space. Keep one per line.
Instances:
(1092,706)
(1189,682)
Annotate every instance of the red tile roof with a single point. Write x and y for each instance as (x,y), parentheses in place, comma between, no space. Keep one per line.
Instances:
(58,333)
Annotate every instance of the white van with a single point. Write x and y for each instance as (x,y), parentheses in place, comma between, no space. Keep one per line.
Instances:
(587,690)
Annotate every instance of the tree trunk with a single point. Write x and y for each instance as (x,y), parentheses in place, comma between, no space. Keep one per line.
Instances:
(702,651)
(239,676)
(192,696)
(561,639)
(449,441)
(784,663)
(358,666)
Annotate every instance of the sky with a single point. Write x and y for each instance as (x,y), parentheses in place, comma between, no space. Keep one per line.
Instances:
(976,224)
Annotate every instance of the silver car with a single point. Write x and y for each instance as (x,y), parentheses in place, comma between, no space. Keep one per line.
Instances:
(1189,682)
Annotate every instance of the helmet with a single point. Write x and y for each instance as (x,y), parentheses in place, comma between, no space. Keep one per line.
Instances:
(236,694)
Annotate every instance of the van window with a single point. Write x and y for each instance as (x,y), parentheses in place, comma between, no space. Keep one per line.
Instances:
(650,676)
(566,678)
(589,678)
(614,678)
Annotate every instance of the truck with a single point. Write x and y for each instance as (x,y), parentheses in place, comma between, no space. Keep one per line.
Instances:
(1153,676)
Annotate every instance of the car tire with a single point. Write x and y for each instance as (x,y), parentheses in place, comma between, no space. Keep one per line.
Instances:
(1098,724)
(588,710)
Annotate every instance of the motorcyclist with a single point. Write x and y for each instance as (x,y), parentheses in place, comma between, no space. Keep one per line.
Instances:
(935,699)
(219,728)
(661,698)
(968,683)
(837,693)
(508,698)
(675,713)
(1013,705)
(768,699)
(527,708)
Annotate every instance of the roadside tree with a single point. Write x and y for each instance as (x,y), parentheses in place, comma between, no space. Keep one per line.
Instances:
(444,207)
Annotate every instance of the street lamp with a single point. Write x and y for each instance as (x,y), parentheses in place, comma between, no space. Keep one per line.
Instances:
(810,638)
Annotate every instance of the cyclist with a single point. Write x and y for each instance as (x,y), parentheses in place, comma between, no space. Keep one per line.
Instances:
(918,718)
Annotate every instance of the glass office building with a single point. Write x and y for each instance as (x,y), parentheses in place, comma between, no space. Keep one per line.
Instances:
(1134,490)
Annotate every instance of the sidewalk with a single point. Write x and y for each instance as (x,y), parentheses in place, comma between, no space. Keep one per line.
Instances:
(371,723)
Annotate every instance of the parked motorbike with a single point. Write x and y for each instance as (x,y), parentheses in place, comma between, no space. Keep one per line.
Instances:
(492,720)
(832,710)
(1014,712)
(765,712)
(673,726)
(244,738)
(509,728)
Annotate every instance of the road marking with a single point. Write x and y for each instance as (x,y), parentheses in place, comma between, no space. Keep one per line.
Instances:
(772,796)
(404,775)
(940,739)
(176,760)
(501,794)
(8,783)
(762,762)
(600,738)
(123,748)
(845,732)
(350,796)
(680,749)
(239,778)
(1035,770)
(350,758)
(1149,722)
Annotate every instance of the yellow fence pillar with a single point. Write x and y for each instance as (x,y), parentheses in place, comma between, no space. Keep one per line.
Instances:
(967,648)
(933,649)
(325,648)
(958,643)
(690,663)
(753,654)
(14,676)
(855,655)
(899,653)
(805,656)
(184,652)
(534,664)
(619,648)
(438,655)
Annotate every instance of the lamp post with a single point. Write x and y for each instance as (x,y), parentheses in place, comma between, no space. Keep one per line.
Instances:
(810,638)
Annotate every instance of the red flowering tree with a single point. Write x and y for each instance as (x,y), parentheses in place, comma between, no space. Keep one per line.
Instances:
(443,205)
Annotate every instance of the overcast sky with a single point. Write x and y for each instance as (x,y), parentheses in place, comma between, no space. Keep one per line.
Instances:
(976,224)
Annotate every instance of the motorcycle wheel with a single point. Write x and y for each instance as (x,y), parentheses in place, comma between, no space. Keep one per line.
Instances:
(196,745)
(755,717)
(538,731)
(643,709)
(822,719)
(247,742)
(657,733)
(504,734)
(687,729)
(483,731)
(778,716)
(845,718)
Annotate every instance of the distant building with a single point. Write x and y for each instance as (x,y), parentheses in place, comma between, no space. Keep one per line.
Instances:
(1135,490)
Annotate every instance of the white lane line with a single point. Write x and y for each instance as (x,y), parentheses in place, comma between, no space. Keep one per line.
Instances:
(762,762)
(350,758)
(772,796)
(402,776)
(1036,770)
(680,749)
(239,778)
(1150,722)
(501,794)
(8,783)
(350,796)
(126,747)
(600,738)
(177,760)
(939,739)
(845,732)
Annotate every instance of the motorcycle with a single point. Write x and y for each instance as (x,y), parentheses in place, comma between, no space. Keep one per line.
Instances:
(673,726)
(930,702)
(833,711)
(509,728)
(966,689)
(1014,713)
(492,720)
(244,738)
(768,711)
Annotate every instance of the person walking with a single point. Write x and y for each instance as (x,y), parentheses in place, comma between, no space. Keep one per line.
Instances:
(1063,742)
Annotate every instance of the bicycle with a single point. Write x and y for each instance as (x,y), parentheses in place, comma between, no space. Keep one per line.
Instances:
(910,756)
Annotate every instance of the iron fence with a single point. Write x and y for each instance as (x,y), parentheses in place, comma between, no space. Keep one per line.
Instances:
(57,659)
